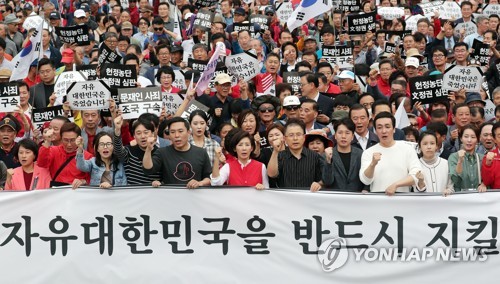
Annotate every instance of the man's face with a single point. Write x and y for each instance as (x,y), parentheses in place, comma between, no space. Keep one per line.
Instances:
(483,26)
(68,140)
(239,18)
(7,135)
(411,71)
(217,28)
(367,102)
(292,111)
(462,117)
(486,137)
(423,28)
(111,42)
(496,98)
(385,71)
(225,7)
(385,131)
(116,11)
(310,59)
(176,57)
(381,108)
(408,42)
(80,21)
(305,87)
(164,56)
(272,64)
(337,20)
(343,136)
(244,39)
(438,58)
(122,46)
(24,95)
(163,11)
(327,72)
(307,113)
(477,120)
(223,89)
(200,54)
(310,45)
(56,125)
(294,137)
(328,39)
(2,31)
(461,54)
(466,11)
(448,31)
(488,38)
(285,37)
(90,119)
(179,134)
(346,85)
(266,112)
(45,38)
(158,29)
(125,17)
(13,27)
(47,73)
(361,120)
(397,89)
(493,23)
(132,3)
(127,32)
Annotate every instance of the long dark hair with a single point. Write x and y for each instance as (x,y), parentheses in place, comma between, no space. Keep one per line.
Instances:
(98,160)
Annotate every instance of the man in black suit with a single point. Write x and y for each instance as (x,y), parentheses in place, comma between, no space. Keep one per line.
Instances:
(309,87)
(41,92)
(363,137)
(446,37)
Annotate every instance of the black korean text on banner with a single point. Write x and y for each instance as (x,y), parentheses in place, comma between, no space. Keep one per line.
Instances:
(196,105)
(262,20)
(179,81)
(390,48)
(338,55)
(136,101)
(411,22)
(171,102)
(430,7)
(119,76)
(491,9)
(206,3)
(469,27)
(245,27)
(90,71)
(427,89)
(349,5)
(106,55)
(41,115)
(197,65)
(63,81)
(74,34)
(204,19)
(9,98)
(390,13)
(481,52)
(293,79)
(463,77)
(243,65)
(450,10)
(283,10)
(360,24)
(89,95)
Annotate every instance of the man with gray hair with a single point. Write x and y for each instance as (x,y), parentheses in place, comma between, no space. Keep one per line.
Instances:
(482,23)
(10,45)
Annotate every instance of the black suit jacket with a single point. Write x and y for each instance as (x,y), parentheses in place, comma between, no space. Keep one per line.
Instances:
(335,176)
(38,96)
(325,104)
(372,140)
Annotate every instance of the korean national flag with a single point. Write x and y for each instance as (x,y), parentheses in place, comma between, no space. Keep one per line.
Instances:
(307,10)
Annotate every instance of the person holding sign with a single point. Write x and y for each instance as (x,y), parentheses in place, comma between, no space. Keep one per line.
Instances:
(242,171)
(29,175)
(490,169)
(181,162)
(105,169)
(166,77)
(60,160)
(465,165)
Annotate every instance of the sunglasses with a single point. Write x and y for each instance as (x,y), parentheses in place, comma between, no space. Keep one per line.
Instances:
(158,29)
(268,109)
(291,108)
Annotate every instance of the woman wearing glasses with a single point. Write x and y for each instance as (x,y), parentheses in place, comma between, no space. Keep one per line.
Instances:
(105,169)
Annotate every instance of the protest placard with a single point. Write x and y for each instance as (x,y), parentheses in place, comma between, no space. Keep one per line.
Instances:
(283,10)
(430,7)
(338,55)
(205,3)
(427,89)
(124,4)
(293,79)
(491,9)
(411,22)
(119,75)
(390,48)
(469,27)
(88,95)
(179,81)
(390,13)
(245,27)
(136,101)
(32,22)
(361,23)
(9,97)
(243,65)
(489,110)
(74,34)
(208,74)
(204,19)
(171,102)
(41,115)
(196,105)
(348,5)
(262,20)
(63,81)
(450,10)
(197,65)
(481,52)
(458,77)
(106,55)
(89,71)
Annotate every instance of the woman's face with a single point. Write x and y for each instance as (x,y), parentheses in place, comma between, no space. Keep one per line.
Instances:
(275,135)
(105,147)
(367,8)
(166,81)
(199,126)
(469,140)
(244,149)
(26,156)
(428,146)
(317,146)
(141,135)
(249,124)
(143,26)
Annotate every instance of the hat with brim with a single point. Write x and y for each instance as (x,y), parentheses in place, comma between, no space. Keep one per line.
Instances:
(146,9)
(7,121)
(474,97)
(222,78)
(219,20)
(5,73)
(413,52)
(11,19)
(318,134)
(266,99)
(339,115)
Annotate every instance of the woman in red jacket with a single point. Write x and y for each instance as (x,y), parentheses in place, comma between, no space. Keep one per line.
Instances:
(28,176)
(490,170)
(243,171)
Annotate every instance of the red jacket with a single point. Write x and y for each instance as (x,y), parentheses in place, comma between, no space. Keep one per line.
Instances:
(491,174)
(17,182)
(54,157)
(384,87)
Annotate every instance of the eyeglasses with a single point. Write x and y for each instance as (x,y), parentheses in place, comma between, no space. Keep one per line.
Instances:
(166,77)
(69,141)
(291,108)
(438,56)
(163,54)
(111,41)
(105,145)
(266,109)
(158,29)
(293,135)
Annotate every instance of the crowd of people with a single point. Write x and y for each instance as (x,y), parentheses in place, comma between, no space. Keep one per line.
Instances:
(336,131)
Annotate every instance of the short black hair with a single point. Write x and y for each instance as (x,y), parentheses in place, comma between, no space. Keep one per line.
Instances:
(409,130)
(131,56)
(310,101)
(385,114)
(295,122)
(379,103)
(459,44)
(495,127)
(358,107)
(438,127)
(347,122)
(150,117)
(46,61)
(310,78)
(342,100)
(177,119)
(28,144)
(460,105)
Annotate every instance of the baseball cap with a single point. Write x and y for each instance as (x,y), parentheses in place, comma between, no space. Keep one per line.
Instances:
(176,48)
(222,78)
(80,14)
(412,61)
(85,7)
(55,16)
(309,38)
(127,25)
(148,8)
(188,16)
(28,6)
(345,75)
(269,9)
(67,56)
(291,101)
(7,121)
(240,11)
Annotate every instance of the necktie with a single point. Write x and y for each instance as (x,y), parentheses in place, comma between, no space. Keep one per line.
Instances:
(449,44)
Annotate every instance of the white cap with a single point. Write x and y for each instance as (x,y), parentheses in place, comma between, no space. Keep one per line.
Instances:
(188,16)
(412,61)
(80,13)
(345,75)
(222,78)
(291,101)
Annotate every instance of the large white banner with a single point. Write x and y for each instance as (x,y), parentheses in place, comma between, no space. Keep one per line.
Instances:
(241,235)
